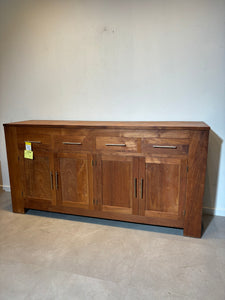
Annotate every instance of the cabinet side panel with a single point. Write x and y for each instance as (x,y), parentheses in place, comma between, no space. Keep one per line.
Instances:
(14,169)
(195,183)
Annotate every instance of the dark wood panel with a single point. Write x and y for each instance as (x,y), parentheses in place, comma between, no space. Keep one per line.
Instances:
(117,183)
(37,178)
(106,215)
(73,143)
(14,170)
(195,183)
(116,144)
(73,180)
(73,174)
(165,188)
(165,146)
(114,124)
(97,182)
(147,187)
(40,140)
(136,202)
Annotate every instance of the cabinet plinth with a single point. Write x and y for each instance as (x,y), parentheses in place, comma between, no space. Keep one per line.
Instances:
(144,172)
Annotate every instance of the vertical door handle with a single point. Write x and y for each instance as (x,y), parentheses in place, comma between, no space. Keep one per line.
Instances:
(142,184)
(51,179)
(56,180)
(135,187)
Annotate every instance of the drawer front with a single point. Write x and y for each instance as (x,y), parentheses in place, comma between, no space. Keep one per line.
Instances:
(121,144)
(71,143)
(39,141)
(165,146)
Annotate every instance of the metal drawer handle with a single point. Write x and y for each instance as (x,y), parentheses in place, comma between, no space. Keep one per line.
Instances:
(71,143)
(165,147)
(34,142)
(117,145)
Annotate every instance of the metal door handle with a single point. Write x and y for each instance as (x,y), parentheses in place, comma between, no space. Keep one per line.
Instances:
(72,143)
(165,147)
(135,187)
(51,178)
(95,201)
(117,145)
(142,183)
(56,180)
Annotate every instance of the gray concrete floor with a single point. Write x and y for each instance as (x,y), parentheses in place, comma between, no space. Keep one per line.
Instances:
(53,256)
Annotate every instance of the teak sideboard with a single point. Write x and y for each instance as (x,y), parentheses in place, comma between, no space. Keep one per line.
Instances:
(143,172)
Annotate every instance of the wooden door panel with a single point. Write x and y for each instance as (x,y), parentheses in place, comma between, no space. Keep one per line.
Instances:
(38,178)
(117,184)
(165,188)
(75,180)
(163,191)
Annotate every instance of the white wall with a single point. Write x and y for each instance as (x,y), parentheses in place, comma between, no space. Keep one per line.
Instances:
(117,60)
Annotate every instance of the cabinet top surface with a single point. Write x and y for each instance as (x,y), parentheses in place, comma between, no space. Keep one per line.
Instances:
(114,124)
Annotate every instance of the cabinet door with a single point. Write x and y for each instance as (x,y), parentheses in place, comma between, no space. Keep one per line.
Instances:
(117,184)
(163,183)
(74,180)
(38,179)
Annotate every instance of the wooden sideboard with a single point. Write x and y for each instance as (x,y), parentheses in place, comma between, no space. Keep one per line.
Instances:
(144,172)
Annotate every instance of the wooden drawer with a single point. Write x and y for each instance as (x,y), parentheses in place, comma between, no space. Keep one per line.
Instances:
(73,143)
(121,144)
(165,146)
(39,140)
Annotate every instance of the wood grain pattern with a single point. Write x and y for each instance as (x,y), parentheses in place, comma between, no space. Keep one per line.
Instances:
(115,144)
(40,141)
(195,183)
(14,170)
(114,124)
(117,184)
(37,177)
(136,200)
(165,189)
(73,143)
(73,180)
(97,178)
(152,146)
(106,215)
(136,183)
(141,185)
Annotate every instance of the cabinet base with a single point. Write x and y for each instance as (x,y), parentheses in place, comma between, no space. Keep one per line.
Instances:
(107,215)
